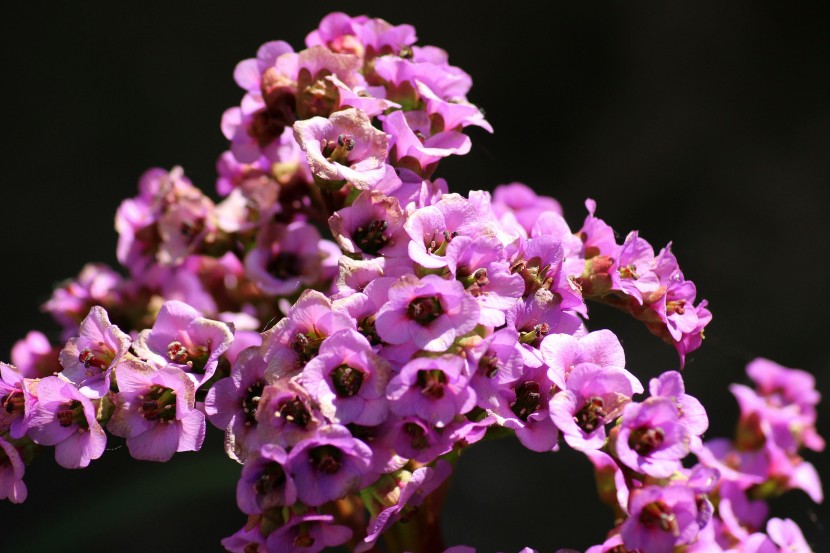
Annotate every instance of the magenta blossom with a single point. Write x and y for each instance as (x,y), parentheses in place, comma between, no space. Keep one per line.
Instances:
(344,147)
(88,360)
(432,228)
(15,400)
(296,338)
(660,519)
(480,265)
(309,533)
(434,389)
(429,313)
(594,397)
(691,412)
(561,353)
(524,406)
(348,380)
(155,411)
(65,418)
(652,440)
(371,225)
(287,257)
(264,484)
(416,147)
(328,465)
(286,414)
(231,403)
(183,337)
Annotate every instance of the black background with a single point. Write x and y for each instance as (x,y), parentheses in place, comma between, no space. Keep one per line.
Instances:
(705,123)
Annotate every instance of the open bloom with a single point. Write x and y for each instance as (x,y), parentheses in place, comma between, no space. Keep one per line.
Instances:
(155,411)
(88,360)
(343,147)
(65,418)
(430,313)
(183,337)
(328,465)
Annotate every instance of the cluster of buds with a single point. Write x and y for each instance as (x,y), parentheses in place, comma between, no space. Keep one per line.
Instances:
(428,321)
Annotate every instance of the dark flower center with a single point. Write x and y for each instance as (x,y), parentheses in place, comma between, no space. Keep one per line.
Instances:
(424,310)
(438,245)
(432,383)
(367,328)
(250,403)
(99,358)
(326,459)
(370,238)
(71,412)
(294,411)
(417,435)
(527,401)
(659,514)
(346,380)
(13,403)
(307,345)
(644,440)
(592,415)
(285,265)
(266,127)
(272,479)
(158,404)
(629,272)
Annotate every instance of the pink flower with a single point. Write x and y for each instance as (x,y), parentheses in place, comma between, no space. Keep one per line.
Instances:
(89,359)
(183,337)
(65,418)
(429,313)
(344,147)
(155,411)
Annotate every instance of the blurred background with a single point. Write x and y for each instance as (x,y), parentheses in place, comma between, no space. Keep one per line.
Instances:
(707,124)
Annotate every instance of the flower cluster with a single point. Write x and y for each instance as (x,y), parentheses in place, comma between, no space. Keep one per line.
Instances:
(428,321)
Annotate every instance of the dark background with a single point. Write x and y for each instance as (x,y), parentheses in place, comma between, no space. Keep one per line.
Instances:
(703,123)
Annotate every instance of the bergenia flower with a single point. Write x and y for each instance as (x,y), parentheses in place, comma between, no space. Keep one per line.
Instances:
(155,411)
(593,398)
(264,483)
(231,403)
(309,533)
(65,418)
(480,265)
(328,465)
(286,414)
(524,406)
(652,440)
(660,519)
(371,225)
(344,147)
(15,400)
(430,313)
(689,409)
(414,145)
(348,380)
(89,359)
(434,389)
(182,336)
